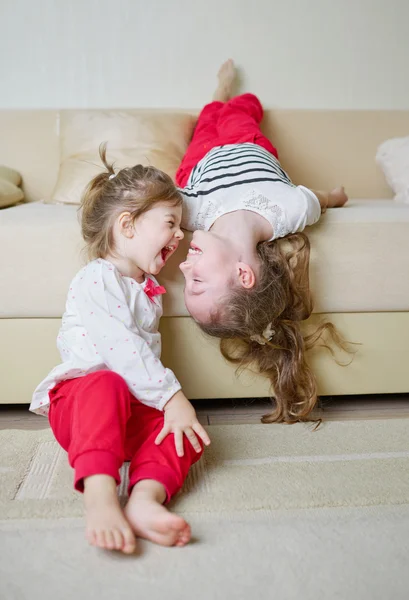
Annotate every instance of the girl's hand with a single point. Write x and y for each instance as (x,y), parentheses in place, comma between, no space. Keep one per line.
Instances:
(181,419)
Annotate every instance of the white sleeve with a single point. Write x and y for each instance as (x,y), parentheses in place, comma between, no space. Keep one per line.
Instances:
(109,322)
(296,209)
(313,207)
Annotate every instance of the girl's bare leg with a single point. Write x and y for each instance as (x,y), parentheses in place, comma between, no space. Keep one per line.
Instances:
(334,199)
(226,77)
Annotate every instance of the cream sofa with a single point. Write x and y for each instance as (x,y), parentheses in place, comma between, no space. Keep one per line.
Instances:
(359,266)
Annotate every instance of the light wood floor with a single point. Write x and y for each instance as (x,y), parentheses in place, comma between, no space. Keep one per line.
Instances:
(244,411)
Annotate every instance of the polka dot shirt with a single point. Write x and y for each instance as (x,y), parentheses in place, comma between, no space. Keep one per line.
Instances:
(111,323)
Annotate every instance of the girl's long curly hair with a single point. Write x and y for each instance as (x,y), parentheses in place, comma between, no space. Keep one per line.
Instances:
(281,299)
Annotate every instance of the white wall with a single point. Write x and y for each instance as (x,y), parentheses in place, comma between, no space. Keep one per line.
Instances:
(351,54)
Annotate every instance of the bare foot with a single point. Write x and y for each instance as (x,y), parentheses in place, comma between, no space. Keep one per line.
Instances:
(226,77)
(106,525)
(337,198)
(152,521)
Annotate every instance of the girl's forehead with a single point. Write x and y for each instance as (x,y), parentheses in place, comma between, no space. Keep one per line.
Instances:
(167,207)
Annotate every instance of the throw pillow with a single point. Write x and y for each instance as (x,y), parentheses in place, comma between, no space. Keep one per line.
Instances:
(393,158)
(147,137)
(10,193)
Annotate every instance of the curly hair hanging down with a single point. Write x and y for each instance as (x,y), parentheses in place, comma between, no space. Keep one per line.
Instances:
(281,299)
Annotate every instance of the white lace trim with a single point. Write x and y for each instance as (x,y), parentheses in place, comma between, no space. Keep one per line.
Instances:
(205,218)
(253,200)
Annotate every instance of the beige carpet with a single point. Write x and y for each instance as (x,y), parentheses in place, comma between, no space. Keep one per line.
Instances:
(276,511)
(247,468)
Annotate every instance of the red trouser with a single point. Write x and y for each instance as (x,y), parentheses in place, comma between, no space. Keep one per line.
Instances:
(234,122)
(100,424)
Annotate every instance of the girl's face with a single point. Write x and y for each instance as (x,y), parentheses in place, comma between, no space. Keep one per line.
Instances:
(152,238)
(210,270)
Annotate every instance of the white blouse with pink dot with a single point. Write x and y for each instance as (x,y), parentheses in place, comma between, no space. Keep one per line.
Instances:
(110,323)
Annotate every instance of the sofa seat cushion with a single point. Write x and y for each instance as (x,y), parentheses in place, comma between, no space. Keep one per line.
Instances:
(359,261)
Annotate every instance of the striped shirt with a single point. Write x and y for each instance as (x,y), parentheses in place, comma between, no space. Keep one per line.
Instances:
(246,177)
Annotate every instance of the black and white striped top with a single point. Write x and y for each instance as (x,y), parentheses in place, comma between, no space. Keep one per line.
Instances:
(247,177)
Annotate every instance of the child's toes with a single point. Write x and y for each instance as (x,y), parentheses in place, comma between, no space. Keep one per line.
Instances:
(129,542)
(109,540)
(184,536)
(118,539)
(100,539)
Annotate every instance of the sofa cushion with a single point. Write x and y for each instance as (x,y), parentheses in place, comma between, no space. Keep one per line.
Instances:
(359,260)
(146,137)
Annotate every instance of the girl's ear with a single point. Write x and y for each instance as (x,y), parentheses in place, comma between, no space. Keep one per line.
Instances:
(125,223)
(246,275)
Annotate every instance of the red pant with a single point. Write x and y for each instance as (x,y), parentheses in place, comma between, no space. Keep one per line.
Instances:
(100,424)
(234,122)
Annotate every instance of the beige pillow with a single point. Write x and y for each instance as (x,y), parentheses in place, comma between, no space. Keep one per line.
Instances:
(10,175)
(10,193)
(147,137)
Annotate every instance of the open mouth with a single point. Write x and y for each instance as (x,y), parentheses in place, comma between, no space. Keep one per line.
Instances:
(193,249)
(166,252)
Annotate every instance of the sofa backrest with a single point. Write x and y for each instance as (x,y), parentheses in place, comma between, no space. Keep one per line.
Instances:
(318,148)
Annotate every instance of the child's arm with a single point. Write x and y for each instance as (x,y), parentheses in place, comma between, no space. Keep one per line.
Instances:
(334,199)
(116,337)
(118,343)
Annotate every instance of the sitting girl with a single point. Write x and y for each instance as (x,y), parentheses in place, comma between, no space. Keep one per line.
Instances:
(111,399)
(247,270)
